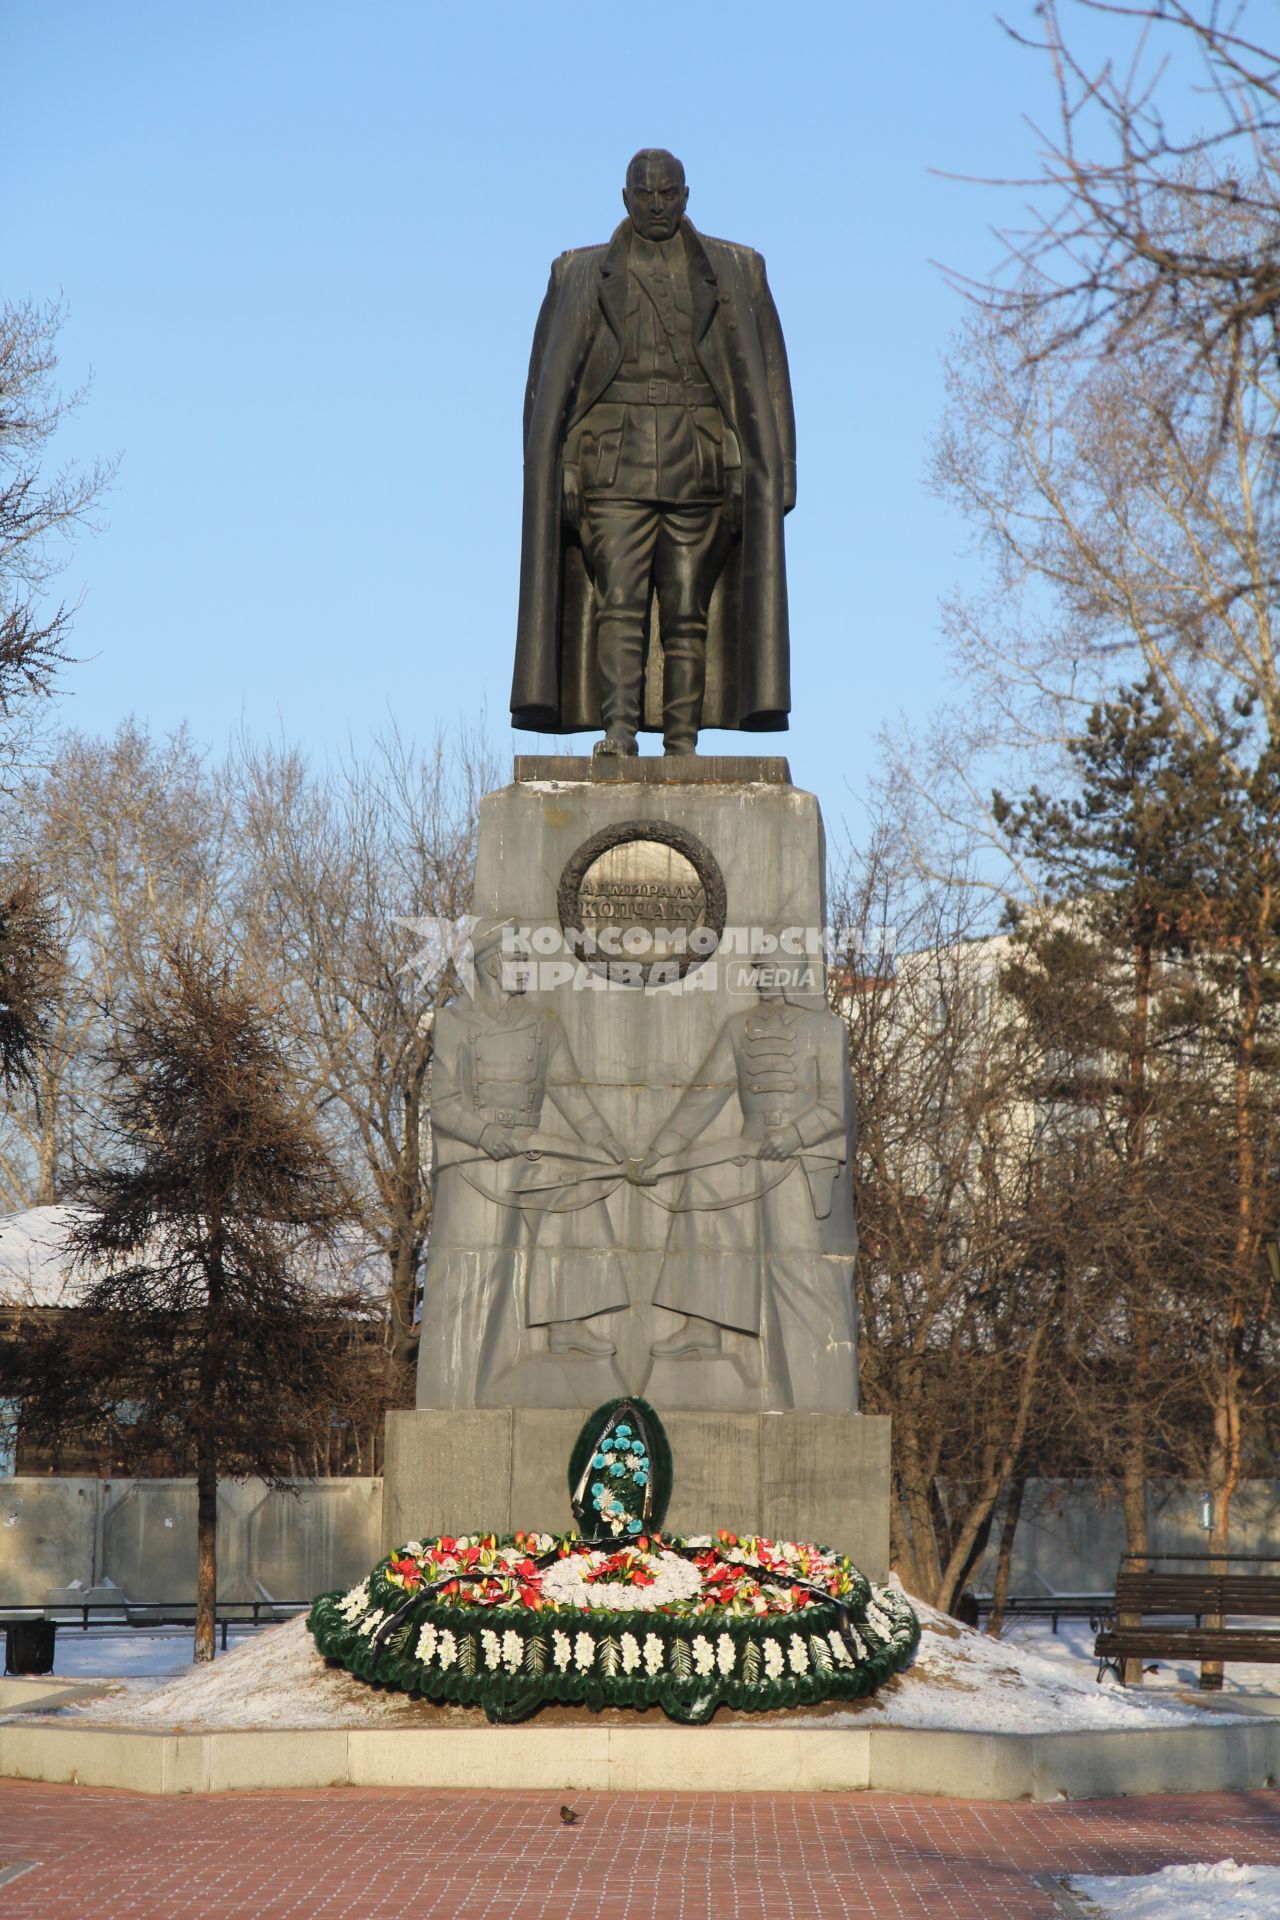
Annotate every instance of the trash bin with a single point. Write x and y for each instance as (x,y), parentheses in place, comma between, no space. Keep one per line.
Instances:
(28,1646)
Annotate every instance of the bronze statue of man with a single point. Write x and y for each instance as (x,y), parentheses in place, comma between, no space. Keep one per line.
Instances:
(659,462)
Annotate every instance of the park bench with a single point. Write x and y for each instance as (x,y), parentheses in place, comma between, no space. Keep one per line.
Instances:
(1193,1614)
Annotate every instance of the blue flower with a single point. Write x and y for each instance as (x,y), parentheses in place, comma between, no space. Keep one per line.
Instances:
(637,1446)
(622,1433)
(633,1526)
(597,1490)
(642,1478)
(616,1471)
(598,1461)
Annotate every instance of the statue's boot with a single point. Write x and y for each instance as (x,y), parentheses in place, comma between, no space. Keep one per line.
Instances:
(620,649)
(575,1336)
(695,1336)
(615,745)
(684,679)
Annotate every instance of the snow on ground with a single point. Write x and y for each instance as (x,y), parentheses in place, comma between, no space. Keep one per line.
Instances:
(275,1678)
(966,1681)
(1072,1647)
(1220,1892)
(132,1652)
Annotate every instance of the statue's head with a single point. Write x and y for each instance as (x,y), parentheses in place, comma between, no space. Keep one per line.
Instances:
(655,194)
(501,961)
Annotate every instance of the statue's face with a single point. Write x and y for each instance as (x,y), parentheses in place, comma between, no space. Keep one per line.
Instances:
(656,196)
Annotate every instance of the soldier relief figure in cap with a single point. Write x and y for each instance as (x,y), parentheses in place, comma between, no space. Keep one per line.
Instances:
(659,462)
(762,1239)
(498,1066)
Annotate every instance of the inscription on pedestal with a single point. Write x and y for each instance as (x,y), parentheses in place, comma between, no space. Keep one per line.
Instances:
(642,902)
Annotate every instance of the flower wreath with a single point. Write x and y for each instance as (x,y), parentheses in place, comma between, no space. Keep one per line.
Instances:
(619,1614)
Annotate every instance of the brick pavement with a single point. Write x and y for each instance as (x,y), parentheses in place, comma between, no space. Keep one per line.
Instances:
(356,1854)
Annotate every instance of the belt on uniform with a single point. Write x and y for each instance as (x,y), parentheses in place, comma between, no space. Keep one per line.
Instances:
(660,393)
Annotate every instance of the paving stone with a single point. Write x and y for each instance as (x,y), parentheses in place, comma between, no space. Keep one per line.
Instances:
(360,1854)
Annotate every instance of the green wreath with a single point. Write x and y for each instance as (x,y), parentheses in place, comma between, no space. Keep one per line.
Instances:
(618,1615)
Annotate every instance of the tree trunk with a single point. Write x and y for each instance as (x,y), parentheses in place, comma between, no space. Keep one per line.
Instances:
(1004,1558)
(206,1550)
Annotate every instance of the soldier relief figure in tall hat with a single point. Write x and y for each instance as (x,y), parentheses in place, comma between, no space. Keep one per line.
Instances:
(510,1248)
(659,462)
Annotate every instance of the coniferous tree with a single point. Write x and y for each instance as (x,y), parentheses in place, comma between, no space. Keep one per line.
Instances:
(1147,976)
(202,1302)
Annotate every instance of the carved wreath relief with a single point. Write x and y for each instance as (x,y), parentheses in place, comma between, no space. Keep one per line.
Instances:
(642,902)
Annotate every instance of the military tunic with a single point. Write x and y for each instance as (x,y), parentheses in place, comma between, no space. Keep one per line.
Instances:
(768,1248)
(495,1264)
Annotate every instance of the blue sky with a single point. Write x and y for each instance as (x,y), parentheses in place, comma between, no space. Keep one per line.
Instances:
(303,246)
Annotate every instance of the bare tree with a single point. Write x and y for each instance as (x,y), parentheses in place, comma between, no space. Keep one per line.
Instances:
(135,842)
(964,1260)
(37,510)
(1150,213)
(364,872)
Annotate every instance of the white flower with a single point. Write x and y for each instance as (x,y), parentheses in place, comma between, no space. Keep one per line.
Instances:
(726,1653)
(584,1652)
(512,1651)
(355,1602)
(697,1540)
(565,1583)
(798,1654)
(838,1647)
(704,1658)
(411,1549)
(880,1623)
(492,1647)
(427,1644)
(630,1653)
(370,1626)
(561,1649)
(859,1644)
(448,1649)
(653,1653)
(773,1661)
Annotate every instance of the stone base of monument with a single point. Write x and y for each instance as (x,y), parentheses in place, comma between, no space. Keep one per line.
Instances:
(786,1476)
(621,1752)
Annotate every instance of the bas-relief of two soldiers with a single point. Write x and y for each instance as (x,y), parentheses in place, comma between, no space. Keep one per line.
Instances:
(527,1267)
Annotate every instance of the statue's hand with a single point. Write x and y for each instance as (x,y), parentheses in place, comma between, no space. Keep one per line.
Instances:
(780,1145)
(733,501)
(572,505)
(640,1172)
(498,1143)
(612,1149)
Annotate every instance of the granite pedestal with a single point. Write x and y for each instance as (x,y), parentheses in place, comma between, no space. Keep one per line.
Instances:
(532,1319)
(788,1476)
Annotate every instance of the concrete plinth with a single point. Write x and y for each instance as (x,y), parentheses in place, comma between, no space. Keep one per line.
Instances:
(789,1476)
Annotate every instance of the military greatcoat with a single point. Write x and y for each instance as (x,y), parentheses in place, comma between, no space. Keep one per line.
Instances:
(577,350)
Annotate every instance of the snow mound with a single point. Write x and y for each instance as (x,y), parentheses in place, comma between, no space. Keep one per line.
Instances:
(960,1681)
(1223,1891)
(963,1681)
(276,1679)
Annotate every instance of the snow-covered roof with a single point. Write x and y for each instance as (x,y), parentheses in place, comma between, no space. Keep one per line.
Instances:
(36,1269)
